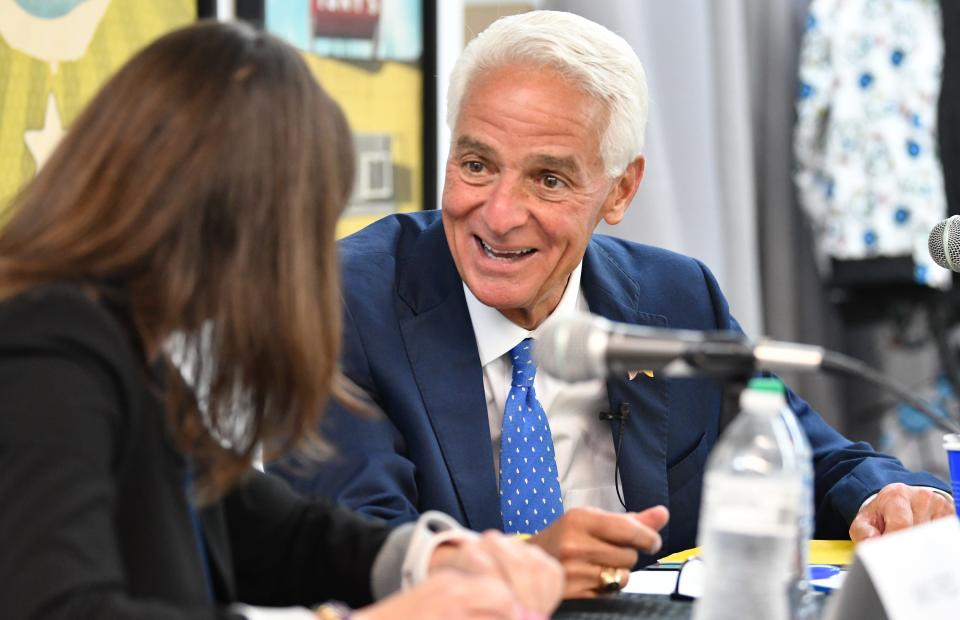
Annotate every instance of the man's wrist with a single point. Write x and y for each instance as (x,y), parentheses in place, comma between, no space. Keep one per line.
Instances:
(939,492)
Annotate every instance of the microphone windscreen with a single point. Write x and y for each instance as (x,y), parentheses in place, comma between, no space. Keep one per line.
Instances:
(572,348)
(944,243)
(935,245)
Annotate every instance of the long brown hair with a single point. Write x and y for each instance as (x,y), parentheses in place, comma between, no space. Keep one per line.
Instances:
(205,180)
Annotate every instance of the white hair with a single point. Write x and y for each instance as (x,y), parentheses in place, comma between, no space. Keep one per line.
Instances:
(595,59)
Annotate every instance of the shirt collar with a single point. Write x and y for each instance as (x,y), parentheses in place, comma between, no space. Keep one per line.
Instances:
(496,334)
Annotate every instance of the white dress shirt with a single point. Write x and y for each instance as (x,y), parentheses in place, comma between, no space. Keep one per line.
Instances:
(583,444)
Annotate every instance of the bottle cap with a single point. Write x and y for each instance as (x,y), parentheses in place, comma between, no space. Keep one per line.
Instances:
(767,384)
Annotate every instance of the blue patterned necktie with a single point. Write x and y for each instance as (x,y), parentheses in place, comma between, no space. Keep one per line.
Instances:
(529,484)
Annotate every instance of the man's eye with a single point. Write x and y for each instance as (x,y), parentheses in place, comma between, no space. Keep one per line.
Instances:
(551,181)
(474,167)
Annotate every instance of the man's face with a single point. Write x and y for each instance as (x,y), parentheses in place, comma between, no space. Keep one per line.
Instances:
(525,188)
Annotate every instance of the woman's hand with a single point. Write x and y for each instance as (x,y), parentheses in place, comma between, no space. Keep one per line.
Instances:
(534,578)
(452,595)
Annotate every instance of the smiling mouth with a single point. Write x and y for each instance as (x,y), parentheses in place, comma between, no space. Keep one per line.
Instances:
(504,255)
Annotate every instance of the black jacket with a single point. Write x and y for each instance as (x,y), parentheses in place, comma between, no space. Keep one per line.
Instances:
(94,521)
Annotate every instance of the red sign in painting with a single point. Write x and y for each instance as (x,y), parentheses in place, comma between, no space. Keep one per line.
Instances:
(345,19)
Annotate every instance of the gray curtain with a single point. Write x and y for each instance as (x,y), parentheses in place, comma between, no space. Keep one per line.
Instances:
(795,301)
(698,196)
(722,79)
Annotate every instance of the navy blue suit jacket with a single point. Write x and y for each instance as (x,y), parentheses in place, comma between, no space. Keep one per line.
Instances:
(409,343)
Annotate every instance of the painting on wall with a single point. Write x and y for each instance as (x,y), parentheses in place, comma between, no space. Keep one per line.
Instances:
(368,54)
(54,55)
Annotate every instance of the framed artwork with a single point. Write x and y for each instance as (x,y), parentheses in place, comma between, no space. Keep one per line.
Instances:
(372,56)
(54,55)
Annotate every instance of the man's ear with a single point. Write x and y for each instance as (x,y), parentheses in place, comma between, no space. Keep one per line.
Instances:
(623,191)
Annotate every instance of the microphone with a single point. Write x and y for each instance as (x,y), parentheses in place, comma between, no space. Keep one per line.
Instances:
(584,347)
(944,243)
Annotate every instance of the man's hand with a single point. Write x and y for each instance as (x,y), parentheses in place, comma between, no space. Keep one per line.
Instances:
(587,540)
(898,506)
(534,579)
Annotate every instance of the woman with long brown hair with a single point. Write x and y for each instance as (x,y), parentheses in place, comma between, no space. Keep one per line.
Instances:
(168,306)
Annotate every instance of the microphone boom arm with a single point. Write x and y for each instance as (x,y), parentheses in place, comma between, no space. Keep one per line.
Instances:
(844,365)
(586,347)
(730,357)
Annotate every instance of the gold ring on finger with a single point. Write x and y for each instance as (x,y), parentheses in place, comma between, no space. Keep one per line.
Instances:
(611,579)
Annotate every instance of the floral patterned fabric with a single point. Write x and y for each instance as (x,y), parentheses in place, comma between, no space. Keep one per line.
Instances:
(865,141)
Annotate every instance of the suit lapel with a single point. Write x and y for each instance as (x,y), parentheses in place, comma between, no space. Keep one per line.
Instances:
(442,351)
(643,462)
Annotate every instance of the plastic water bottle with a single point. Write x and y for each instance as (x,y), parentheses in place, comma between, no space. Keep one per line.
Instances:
(755,516)
(802,604)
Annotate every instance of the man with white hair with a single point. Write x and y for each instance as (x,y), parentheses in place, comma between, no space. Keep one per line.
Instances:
(547,112)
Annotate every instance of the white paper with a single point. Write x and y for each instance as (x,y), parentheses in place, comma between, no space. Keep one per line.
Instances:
(906,575)
(652,582)
(917,571)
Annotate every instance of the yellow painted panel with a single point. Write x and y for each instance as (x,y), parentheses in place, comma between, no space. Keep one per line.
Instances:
(27,81)
(381,97)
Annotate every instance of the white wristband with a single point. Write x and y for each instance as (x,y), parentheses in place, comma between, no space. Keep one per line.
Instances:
(432,530)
